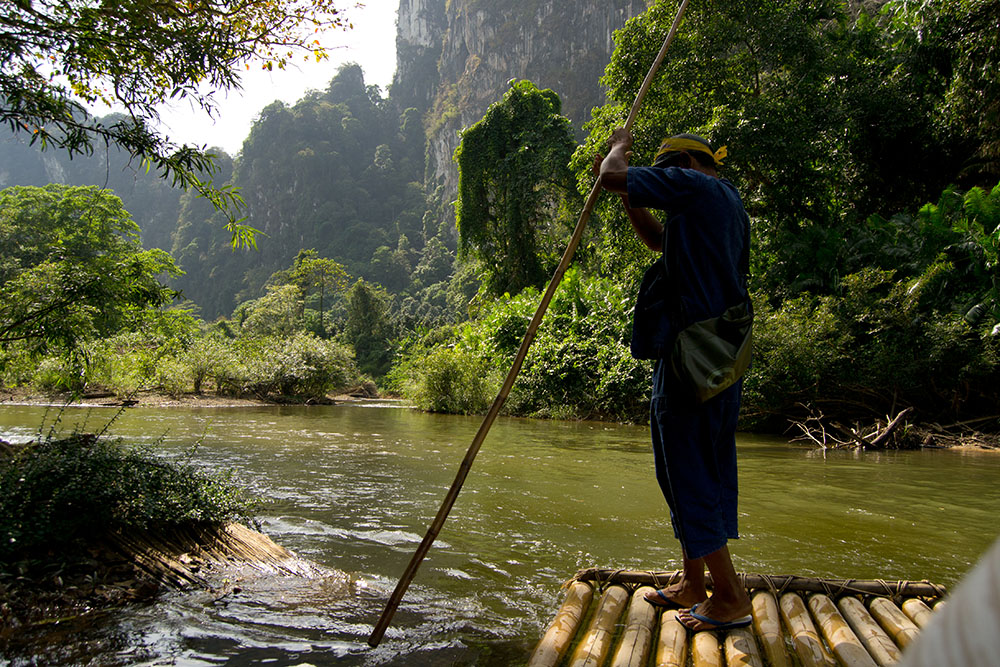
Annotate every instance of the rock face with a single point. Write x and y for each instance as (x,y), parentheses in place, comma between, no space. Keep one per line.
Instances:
(456,57)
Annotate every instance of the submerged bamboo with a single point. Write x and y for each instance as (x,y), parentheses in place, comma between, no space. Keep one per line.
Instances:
(596,643)
(671,648)
(805,640)
(560,633)
(767,623)
(637,639)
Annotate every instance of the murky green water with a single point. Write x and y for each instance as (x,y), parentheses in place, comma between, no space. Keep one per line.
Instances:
(354,489)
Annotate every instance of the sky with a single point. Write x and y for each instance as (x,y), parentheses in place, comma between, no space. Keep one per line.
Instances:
(371,44)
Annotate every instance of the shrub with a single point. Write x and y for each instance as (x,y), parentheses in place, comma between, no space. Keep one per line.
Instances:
(209,357)
(798,349)
(172,376)
(58,374)
(303,366)
(59,490)
(578,367)
(448,379)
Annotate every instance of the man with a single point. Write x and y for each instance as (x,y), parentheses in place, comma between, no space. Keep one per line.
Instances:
(694,444)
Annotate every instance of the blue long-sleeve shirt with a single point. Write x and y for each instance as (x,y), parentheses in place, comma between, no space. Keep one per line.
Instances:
(704,235)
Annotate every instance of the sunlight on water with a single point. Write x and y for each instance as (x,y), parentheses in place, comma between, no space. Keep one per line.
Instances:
(354,489)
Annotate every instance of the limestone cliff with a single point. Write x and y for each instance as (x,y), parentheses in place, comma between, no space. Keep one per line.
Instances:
(455,58)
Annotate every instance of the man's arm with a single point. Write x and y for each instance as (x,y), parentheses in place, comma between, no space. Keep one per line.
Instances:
(646,227)
(614,167)
(613,174)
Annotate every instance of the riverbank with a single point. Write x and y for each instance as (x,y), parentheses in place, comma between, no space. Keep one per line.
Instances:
(150,399)
(914,435)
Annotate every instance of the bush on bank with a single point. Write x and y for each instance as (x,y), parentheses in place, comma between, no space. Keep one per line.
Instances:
(299,366)
(56,491)
(578,367)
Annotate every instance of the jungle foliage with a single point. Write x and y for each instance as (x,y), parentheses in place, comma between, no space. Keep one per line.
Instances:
(842,121)
(578,368)
(840,126)
(339,171)
(72,268)
(84,311)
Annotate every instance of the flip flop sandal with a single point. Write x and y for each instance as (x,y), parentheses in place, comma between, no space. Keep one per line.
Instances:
(720,625)
(658,599)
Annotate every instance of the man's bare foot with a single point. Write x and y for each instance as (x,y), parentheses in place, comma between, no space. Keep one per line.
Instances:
(716,614)
(677,596)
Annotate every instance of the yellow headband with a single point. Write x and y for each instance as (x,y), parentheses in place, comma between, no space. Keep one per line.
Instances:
(673,144)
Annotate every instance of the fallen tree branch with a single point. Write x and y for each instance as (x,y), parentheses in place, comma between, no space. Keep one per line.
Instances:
(876,443)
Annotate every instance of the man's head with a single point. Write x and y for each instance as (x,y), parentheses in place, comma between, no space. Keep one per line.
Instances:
(689,151)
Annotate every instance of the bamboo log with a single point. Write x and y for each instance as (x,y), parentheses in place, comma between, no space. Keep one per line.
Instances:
(808,645)
(892,619)
(671,649)
(918,612)
(838,634)
(878,644)
(706,650)
(780,583)
(593,649)
(965,631)
(552,647)
(767,623)
(637,639)
(741,649)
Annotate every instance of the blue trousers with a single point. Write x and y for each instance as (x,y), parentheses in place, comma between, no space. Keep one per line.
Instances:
(694,449)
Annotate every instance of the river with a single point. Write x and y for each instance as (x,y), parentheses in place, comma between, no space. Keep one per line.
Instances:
(354,488)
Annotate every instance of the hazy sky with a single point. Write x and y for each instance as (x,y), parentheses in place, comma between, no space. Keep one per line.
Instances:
(371,44)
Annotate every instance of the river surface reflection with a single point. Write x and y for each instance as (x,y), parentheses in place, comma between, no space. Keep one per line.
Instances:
(354,488)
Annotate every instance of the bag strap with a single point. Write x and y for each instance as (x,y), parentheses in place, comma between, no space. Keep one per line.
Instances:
(745,257)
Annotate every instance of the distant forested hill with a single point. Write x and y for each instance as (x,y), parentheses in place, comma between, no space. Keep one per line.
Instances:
(149,198)
(365,179)
(340,172)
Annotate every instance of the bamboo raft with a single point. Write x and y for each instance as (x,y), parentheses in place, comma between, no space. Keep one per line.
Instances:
(797,621)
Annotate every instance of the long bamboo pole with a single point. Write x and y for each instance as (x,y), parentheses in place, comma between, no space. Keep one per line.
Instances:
(529,337)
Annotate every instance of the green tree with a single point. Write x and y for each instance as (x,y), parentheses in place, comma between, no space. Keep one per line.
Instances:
(317,275)
(391,268)
(72,268)
(58,55)
(513,182)
(369,327)
(829,118)
(958,44)
(278,313)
